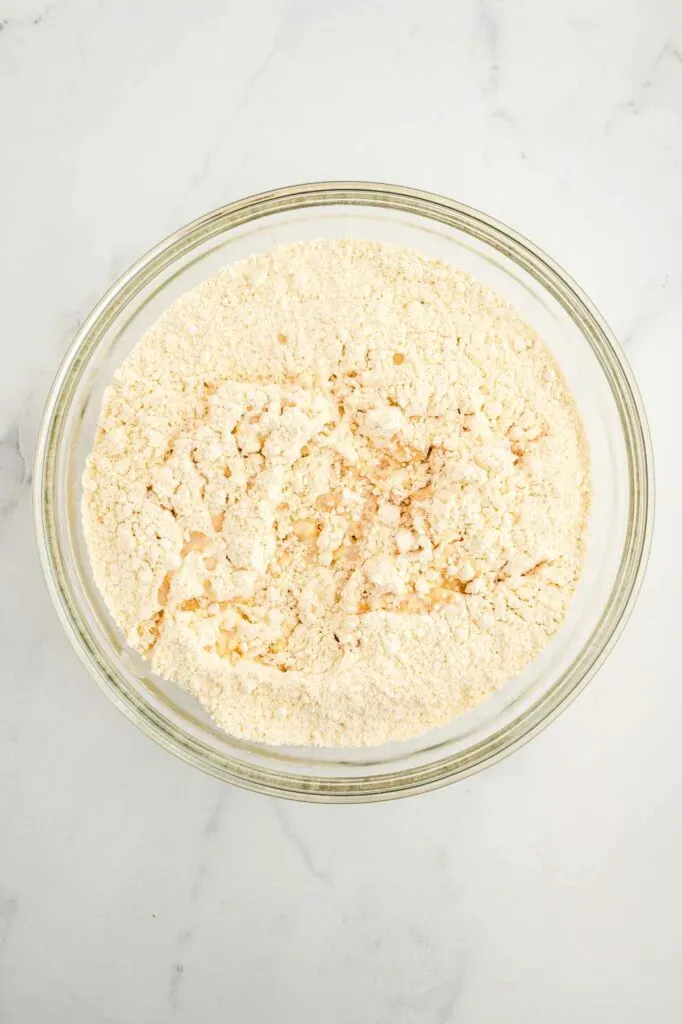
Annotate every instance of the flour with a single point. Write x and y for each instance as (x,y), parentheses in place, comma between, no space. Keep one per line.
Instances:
(339,492)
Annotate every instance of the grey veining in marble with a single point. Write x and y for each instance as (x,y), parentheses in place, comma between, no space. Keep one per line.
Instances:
(134,890)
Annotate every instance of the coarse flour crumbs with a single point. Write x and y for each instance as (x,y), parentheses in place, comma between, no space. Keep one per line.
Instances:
(339,492)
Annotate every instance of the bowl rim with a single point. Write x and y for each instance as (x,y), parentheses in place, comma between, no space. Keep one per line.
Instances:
(562,287)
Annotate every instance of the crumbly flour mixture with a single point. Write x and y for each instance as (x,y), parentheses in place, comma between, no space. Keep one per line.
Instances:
(339,492)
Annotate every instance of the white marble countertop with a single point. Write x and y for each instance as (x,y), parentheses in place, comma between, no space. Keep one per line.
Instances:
(134,890)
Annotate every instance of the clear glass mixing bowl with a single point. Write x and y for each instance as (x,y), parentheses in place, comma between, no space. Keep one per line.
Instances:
(620,525)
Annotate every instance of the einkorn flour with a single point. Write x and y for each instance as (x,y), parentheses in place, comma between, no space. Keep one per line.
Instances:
(339,492)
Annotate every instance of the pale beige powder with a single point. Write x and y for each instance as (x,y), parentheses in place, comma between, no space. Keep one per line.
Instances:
(339,492)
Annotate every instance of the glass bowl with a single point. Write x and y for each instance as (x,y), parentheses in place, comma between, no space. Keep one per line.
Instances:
(620,523)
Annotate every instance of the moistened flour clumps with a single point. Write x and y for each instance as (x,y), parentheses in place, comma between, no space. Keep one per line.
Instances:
(339,492)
